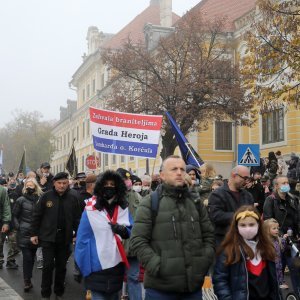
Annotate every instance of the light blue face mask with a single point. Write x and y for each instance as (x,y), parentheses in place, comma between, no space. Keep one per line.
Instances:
(285,188)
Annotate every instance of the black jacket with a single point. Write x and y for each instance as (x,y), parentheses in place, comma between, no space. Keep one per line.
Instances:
(13,196)
(222,205)
(22,219)
(278,209)
(231,282)
(107,281)
(258,194)
(45,215)
(82,196)
(49,183)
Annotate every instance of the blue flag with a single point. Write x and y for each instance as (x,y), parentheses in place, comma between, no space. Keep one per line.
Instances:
(189,155)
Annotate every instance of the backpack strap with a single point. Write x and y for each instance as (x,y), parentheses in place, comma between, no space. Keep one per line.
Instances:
(155,198)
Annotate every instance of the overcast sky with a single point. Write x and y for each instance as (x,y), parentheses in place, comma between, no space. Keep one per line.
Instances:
(41,44)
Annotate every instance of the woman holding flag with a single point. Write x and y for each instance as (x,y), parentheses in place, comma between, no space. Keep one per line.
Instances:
(99,252)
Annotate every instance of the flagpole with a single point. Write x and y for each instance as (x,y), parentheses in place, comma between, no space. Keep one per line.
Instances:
(153,167)
(187,144)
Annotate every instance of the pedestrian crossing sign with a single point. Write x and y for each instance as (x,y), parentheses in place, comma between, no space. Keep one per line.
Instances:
(248,154)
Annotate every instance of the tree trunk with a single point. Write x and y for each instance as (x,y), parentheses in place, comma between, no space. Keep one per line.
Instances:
(168,145)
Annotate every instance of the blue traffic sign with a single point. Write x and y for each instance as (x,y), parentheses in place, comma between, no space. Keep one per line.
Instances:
(248,154)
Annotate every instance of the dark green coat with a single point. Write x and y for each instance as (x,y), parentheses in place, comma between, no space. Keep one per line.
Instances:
(5,210)
(133,198)
(178,247)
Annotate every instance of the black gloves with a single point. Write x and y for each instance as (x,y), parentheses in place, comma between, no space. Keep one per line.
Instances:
(120,230)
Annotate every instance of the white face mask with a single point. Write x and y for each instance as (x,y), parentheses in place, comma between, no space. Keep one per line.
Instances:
(145,188)
(137,188)
(248,232)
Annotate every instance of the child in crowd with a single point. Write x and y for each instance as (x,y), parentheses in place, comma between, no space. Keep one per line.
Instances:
(272,229)
(245,267)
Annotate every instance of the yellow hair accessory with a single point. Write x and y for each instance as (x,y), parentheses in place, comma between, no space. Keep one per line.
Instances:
(245,214)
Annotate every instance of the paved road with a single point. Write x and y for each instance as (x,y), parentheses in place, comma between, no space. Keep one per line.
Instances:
(14,278)
(74,290)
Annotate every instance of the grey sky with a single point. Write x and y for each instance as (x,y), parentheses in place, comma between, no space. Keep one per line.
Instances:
(42,42)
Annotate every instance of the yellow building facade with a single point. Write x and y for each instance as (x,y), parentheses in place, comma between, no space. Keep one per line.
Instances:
(276,129)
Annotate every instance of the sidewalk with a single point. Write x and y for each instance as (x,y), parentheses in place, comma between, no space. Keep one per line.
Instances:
(7,293)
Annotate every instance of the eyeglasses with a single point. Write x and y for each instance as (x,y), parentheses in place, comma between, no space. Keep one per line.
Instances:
(243,177)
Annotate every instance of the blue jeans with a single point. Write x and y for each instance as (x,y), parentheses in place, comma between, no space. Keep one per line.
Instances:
(152,294)
(104,296)
(133,285)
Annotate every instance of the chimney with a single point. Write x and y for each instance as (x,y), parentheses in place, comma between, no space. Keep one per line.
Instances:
(154,2)
(93,39)
(166,13)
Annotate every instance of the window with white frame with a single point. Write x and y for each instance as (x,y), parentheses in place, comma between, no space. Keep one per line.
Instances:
(94,86)
(105,158)
(83,95)
(82,163)
(83,129)
(273,126)
(223,135)
(87,127)
(88,92)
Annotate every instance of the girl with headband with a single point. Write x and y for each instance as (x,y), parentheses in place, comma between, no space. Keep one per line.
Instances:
(245,268)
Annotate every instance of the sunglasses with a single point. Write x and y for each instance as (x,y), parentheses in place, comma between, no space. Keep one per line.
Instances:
(243,177)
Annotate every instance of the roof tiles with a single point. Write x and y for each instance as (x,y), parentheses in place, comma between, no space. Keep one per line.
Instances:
(135,29)
(231,9)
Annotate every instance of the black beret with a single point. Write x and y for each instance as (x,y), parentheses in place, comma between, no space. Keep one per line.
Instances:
(45,165)
(135,179)
(80,175)
(124,173)
(61,175)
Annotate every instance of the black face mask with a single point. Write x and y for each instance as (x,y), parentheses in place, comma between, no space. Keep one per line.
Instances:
(108,192)
(12,186)
(30,191)
(154,185)
(82,183)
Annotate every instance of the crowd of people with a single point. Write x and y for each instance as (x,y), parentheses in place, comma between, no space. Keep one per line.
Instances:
(157,237)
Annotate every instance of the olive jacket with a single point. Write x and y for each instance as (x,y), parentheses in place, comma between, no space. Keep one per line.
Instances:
(177,247)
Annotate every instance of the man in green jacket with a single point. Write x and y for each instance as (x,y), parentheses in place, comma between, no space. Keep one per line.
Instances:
(176,247)
(5,213)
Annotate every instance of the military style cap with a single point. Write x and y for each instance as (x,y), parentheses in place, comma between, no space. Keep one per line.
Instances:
(135,179)
(80,175)
(124,173)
